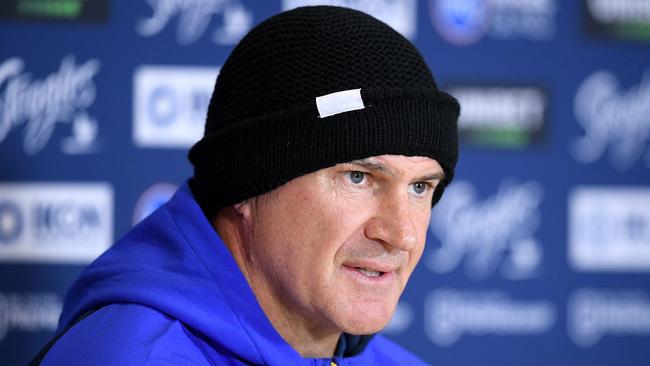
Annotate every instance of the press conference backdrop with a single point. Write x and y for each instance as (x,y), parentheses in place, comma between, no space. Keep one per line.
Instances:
(539,253)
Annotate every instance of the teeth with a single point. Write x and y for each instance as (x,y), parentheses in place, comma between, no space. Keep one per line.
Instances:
(369,272)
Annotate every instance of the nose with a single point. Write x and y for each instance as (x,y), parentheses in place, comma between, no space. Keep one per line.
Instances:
(393,223)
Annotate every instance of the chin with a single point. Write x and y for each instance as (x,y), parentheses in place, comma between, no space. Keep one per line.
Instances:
(368,319)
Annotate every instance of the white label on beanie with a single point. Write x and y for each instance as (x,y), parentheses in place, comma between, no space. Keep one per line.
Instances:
(339,102)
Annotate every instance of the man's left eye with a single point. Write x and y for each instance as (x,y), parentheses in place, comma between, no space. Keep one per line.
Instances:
(356,177)
(419,187)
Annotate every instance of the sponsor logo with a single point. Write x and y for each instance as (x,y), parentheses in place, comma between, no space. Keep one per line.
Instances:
(63,97)
(609,229)
(593,314)
(613,118)
(451,314)
(464,22)
(195,18)
(461,22)
(68,10)
(625,19)
(491,234)
(55,222)
(152,198)
(401,320)
(170,104)
(502,116)
(401,15)
(11,222)
(29,312)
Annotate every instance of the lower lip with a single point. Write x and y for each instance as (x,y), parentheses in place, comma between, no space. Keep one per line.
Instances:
(383,279)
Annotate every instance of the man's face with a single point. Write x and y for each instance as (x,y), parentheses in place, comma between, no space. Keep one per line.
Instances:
(335,248)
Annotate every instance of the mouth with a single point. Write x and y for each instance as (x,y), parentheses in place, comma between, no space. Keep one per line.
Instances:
(369,272)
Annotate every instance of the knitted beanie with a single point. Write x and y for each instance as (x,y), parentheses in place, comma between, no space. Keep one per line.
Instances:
(313,87)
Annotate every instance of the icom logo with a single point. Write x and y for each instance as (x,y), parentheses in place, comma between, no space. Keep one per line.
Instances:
(55,222)
(194,18)
(170,104)
(464,22)
(609,229)
(496,233)
(61,98)
(11,222)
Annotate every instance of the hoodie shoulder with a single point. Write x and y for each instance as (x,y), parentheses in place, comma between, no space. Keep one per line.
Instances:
(126,334)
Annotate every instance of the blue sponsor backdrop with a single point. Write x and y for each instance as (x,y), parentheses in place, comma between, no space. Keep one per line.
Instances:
(539,253)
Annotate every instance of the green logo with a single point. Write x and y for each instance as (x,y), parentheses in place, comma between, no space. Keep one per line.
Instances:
(624,19)
(500,116)
(49,8)
(64,10)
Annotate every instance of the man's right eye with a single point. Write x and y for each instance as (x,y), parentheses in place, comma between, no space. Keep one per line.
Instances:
(356,177)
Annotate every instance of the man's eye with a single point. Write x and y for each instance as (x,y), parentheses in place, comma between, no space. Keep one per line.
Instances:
(420,187)
(357,177)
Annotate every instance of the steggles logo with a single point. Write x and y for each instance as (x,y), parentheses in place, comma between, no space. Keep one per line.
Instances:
(495,234)
(62,97)
(194,18)
(613,118)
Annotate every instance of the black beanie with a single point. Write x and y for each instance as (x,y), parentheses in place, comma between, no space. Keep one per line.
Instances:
(264,126)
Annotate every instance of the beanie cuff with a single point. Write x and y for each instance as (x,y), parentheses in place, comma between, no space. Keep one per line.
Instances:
(255,156)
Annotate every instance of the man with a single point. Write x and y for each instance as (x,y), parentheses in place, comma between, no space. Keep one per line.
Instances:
(326,144)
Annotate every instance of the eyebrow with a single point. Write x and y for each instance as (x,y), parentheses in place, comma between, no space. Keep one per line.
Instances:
(377,166)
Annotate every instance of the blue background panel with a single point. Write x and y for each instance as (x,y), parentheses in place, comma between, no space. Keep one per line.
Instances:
(538,254)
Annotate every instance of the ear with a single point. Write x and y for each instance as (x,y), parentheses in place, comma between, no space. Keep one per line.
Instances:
(229,220)
(243,208)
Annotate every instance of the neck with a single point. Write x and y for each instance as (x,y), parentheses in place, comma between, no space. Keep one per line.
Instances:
(301,332)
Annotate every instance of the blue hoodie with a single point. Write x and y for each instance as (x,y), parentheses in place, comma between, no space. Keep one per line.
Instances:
(170,293)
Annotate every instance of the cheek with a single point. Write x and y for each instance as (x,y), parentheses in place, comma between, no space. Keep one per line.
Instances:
(421,222)
(328,216)
(347,223)
(306,231)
